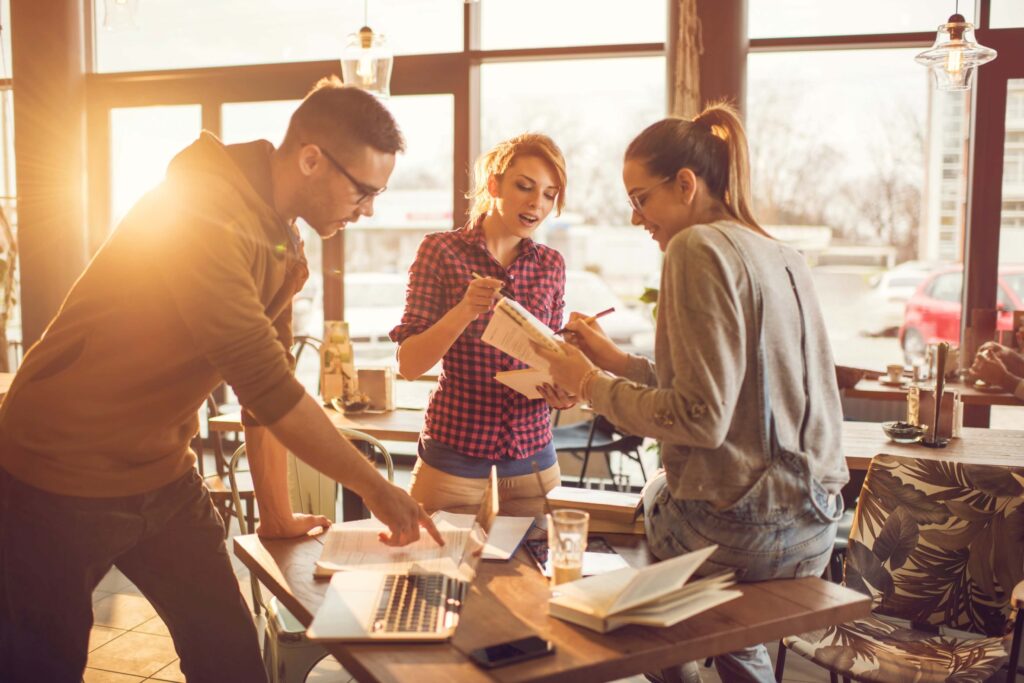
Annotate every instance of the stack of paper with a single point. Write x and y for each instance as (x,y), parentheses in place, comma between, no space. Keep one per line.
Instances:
(610,511)
(354,546)
(511,330)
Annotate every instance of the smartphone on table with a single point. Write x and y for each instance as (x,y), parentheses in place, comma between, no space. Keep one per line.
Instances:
(511,652)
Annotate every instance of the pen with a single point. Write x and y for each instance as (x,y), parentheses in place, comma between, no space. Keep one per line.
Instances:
(589,319)
(478,276)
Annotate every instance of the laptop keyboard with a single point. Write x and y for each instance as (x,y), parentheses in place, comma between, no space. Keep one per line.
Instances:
(420,603)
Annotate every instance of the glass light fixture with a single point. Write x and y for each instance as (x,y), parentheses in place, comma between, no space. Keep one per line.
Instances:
(366,61)
(955,55)
(120,15)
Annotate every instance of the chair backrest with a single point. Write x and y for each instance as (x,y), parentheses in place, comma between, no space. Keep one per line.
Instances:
(351,434)
(938,542)
(622,440)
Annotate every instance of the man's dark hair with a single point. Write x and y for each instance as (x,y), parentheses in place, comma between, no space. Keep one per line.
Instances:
(335,115)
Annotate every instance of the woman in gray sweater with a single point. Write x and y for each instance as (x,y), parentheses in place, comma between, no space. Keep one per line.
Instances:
(742,394)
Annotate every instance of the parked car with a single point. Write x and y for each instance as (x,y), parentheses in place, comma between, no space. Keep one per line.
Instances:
(933,312)
(888,296)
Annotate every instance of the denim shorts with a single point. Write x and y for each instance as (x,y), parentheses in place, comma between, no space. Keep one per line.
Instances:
(791,547)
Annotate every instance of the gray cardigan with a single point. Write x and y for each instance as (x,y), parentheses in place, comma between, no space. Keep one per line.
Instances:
(704,397)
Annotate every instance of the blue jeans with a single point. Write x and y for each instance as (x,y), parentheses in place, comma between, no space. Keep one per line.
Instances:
(788,546)
(169,542)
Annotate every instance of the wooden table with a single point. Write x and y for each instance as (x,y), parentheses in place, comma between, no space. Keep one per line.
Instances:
(509,600)
(978,446)
(395,425)
(874,389)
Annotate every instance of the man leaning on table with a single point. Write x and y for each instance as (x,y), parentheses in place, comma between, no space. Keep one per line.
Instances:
(194,287)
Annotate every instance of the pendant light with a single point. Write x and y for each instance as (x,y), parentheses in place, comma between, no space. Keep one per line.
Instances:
(955,55)
(366,61)
(120,15)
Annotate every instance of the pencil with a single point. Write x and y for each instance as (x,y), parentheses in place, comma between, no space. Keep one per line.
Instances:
(589,319)
(478,276)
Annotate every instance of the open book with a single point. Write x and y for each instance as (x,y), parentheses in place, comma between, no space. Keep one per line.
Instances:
(354,546)
(657,595)
(511,329)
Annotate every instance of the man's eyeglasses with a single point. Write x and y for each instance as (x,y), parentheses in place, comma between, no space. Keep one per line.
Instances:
(365,191)
(637,199)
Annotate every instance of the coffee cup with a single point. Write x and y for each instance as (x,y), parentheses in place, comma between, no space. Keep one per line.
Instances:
(895,372)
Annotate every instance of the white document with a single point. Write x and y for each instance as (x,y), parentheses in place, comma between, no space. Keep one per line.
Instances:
(525,381)
(358,547)
(506,532)
(512,327)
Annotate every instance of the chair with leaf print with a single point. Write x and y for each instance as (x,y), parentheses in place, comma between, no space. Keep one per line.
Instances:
(939,547)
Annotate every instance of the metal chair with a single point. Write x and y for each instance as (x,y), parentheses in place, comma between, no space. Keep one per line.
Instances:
(287,654)
(598,435)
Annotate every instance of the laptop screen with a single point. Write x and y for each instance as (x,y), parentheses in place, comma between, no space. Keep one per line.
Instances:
(477,538)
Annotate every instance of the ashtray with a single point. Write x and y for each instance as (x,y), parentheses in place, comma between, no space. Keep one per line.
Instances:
(903,432)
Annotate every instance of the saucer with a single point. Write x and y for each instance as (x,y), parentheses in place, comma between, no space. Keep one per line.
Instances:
(989,388)
(889,383)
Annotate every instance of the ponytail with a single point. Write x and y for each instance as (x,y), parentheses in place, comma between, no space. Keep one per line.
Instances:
(713,145)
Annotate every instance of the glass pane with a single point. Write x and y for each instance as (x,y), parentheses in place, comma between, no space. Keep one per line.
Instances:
(509,24)
(1007,14)
(610,102)
(378,249)
(1011,236)
(171,34)
(10,308)
(792,18)
(862,167)
(5,38)
(143,140)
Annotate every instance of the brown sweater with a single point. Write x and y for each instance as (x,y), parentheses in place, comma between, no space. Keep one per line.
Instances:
(184,294)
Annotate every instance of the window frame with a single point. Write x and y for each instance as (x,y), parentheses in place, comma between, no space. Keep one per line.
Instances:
(456,74)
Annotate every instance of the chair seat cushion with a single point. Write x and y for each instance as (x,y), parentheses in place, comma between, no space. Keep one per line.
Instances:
(889,650)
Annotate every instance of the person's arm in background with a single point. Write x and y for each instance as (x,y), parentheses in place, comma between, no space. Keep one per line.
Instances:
(993,365)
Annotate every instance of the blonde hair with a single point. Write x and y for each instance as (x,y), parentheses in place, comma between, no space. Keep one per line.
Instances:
(713,145)
(500,157)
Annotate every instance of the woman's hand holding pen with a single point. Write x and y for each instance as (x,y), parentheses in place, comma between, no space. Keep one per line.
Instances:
(587,335)
(480,296)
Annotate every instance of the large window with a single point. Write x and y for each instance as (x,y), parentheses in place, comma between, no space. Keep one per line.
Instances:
(858,163)
(508,24)
(170,34)
(793,18)
(143,141)
(611,100)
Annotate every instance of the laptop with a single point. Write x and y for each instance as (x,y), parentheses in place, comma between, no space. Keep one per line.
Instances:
(420,606)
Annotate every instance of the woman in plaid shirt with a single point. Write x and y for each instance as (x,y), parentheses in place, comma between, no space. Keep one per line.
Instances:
(473,421)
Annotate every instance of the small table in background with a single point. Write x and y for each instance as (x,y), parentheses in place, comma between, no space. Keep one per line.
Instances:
(978,446)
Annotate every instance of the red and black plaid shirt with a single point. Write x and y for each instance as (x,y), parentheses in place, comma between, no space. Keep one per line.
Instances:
(469,410)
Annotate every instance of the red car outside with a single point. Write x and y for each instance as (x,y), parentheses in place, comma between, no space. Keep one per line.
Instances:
(933,311)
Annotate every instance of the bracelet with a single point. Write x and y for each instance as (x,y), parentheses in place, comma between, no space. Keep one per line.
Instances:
(583,391)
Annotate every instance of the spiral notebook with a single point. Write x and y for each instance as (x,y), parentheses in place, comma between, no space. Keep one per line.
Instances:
(510,330)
